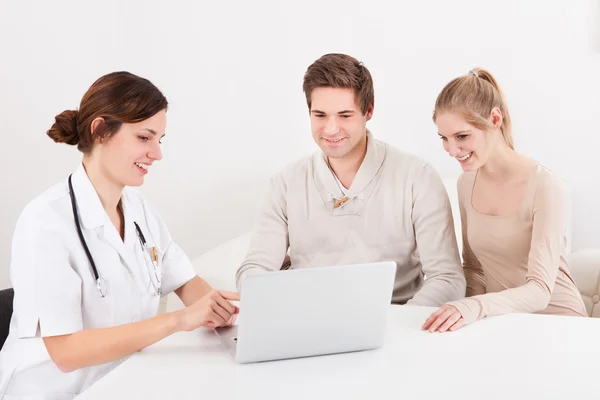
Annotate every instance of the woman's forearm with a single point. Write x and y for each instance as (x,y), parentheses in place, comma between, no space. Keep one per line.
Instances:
(98,346)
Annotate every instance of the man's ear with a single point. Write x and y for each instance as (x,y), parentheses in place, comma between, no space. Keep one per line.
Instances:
(369,113)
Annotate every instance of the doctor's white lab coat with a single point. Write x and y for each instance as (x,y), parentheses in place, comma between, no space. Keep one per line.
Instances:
(55,289)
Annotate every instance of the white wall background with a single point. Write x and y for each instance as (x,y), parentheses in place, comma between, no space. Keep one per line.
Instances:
(232,72)
(594,25)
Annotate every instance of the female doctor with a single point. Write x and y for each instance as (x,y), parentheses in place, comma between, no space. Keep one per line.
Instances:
(91,258)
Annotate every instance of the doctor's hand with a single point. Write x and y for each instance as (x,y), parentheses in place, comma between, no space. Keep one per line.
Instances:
(446,318)
(211,311)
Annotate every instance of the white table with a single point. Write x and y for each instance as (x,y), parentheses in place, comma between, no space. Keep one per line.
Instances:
(513,356)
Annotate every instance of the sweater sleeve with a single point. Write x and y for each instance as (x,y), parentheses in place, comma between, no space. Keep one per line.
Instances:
(270,240)
(436,241)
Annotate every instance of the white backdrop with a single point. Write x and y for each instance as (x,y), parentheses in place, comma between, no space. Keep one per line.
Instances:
(232,72)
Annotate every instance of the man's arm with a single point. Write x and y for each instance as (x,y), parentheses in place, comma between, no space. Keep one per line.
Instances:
(270,240)
(436,241)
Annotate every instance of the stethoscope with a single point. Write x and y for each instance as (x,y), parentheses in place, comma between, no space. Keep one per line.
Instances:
(100,282)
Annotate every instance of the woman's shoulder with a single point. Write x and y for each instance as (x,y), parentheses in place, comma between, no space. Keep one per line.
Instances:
(547,177)
(548,182)
(43,207)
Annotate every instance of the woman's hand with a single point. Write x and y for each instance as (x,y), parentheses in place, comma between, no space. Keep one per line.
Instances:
(446,318)
(211,311)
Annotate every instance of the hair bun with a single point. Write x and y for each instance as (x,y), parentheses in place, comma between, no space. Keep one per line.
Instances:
(64,129)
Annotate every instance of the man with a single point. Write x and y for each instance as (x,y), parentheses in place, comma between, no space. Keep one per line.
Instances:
(357,200)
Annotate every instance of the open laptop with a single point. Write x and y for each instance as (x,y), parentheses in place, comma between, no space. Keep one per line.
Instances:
(312,311)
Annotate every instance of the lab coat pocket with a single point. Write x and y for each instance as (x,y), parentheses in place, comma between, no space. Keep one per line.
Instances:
(8,391)
(151,263)
(156,256)
(5,382)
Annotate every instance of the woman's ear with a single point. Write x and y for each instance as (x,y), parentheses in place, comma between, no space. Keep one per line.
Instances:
(95,124)
(496,117)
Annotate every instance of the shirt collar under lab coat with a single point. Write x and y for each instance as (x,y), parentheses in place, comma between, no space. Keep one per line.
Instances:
(91,212)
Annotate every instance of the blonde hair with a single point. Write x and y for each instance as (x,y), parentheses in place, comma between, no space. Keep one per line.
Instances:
(474,96)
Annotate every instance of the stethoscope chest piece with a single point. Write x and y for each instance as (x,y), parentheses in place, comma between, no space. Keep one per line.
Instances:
(101,286)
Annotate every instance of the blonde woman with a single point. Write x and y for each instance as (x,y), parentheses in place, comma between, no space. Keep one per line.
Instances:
(512,213)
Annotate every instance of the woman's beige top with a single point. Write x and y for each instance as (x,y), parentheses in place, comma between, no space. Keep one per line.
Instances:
(517,263)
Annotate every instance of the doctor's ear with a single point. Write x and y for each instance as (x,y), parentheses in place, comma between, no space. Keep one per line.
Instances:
(95,124)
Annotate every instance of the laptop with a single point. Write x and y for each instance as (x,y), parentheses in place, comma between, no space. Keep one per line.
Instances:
(310,312)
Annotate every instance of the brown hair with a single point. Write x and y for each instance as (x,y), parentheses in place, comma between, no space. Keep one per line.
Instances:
(340,71)
(118,97)
(474,96)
